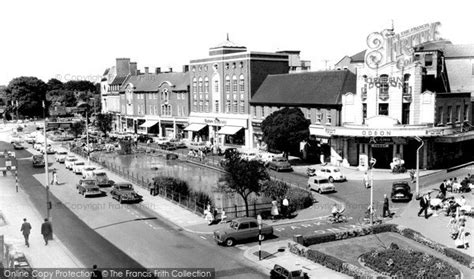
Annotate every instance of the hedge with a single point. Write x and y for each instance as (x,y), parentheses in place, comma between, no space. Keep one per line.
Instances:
(458,256)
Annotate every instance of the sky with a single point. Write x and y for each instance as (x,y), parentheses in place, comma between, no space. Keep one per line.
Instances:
(79,39)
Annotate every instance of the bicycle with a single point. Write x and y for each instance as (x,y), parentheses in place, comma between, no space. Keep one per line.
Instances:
(340,218)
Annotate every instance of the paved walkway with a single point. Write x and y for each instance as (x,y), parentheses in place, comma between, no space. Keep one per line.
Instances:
(14,206)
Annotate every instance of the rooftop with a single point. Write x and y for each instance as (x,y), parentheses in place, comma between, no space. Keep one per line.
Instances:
(152,82)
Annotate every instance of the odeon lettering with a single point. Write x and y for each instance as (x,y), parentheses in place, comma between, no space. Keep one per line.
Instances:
(376,133)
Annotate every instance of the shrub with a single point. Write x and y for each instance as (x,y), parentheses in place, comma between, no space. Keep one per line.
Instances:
(202,198)
(299,199)
(381,228)
(319,238)
(172,184)
(275,188)
(458,256)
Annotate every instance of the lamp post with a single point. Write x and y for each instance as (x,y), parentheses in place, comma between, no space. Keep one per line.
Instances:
(87,139)
(372,164)
(46,168)
(418,164)
(259,221)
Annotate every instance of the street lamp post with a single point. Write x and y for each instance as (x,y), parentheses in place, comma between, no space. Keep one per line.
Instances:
(259,221)
(87,139)
(46,168)
(371,206)
(418,164)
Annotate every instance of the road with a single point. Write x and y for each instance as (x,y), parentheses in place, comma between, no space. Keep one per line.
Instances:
(101,231)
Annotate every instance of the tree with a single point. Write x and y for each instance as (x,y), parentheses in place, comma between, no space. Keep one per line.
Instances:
(65,97)
(274,188)
(54,84)
(104,122)
(243,177)
(29,92)
(77,128)
(80,86)
(284,129)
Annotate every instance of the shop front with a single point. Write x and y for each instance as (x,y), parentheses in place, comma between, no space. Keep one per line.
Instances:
(219,132)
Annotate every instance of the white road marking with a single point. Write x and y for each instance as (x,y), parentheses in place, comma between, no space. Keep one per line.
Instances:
(202,237)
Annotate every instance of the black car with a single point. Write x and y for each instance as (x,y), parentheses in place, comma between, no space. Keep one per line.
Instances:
(401,192)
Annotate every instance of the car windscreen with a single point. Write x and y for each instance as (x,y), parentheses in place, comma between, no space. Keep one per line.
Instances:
(100,174)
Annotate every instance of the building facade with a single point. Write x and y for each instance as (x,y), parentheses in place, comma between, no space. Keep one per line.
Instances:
(221,86)
(403,100)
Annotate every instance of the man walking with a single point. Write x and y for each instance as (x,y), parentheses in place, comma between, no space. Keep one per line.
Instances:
(442,188)
(285,206)
(424,204)
(46,231)
(26,228)
(386,209)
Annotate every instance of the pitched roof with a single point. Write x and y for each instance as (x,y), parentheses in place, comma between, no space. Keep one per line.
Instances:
(152,82)
(106,71)
(308,88)
(358,57)
(118,80)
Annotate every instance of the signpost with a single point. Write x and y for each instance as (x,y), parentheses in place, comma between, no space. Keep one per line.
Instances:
(372,164)
(418,165)
(259,221)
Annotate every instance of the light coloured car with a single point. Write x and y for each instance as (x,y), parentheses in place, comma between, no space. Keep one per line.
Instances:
(331,173)
(77,167)
(38,146)
(241,229)
(280,164)
(16,138)
(88,187)
(87,171)
(101,178)
(161,140)
(60,156)
(248,155)
(70,159)
(320,184)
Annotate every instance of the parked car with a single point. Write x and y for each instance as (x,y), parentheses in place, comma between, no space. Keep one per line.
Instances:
(401,192)
(124,192)
(248,155)
(331,173)
(49,149)
(241,229)
(88,187)
(178,143)
(38,146)
(70,159)
(101,178)
(30,139)
(16,138)
(287,271)
(18,146)
(167,146)
(77,167)
(320,184)
(266,157)
(87,171)
(279,164)
(198,146)
(60,156)
(160,140)
(38,161)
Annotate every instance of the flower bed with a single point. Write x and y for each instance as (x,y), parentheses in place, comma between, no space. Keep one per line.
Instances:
(405,263)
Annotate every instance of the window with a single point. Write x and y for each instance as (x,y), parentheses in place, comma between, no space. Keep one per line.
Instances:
(227,106)
(206,85)
(216,85)
(227,84)
(428,60)
(200,105)
(319,116)
(254,110)
(328,118)
(194,85)
(206,96)
(405,113)
(234,84)
(164,95)
(206,106)
(200,85)
(205,68)
(234,65)
(235,107)
(166,110)
(241,96)
(466,112)
(242,82)
(217,106)
(406,84)
(458,113)
(383,87)
(383,109)
(234,96)
(241,64)
(450,114)
(309,114)
(440,115)
(262,111)
(242,107)
(364,113)
(227,96)
(226,66)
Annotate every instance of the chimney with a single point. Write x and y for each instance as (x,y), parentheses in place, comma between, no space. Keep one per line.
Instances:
(146,70)
(171,70)
(133,68)
(185,68)
(122,66)
(139,72)
(157,70)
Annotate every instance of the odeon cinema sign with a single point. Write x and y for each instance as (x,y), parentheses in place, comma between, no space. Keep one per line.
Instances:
(385,47)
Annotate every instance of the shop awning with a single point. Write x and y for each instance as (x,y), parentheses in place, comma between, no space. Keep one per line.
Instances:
(148,124)
(229,130)
(195,127)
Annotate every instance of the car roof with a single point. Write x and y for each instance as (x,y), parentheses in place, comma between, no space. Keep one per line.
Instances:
(122,183)
(86,180)
(318,177)
(245,219)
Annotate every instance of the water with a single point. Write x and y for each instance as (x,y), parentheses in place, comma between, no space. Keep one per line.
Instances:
(198,178)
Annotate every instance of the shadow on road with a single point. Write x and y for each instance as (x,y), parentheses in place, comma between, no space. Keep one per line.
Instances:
(132,220)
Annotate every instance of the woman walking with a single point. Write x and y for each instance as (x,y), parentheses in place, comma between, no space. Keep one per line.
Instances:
(274,208)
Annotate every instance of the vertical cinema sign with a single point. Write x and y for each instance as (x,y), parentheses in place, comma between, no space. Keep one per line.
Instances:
(386,47)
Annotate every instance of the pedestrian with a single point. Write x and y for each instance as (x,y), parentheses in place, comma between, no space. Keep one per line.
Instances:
(46,231)
(285,207)
(461,241)
(386,209)
(442,188)
(366,180)
(26,228)
(55,178)
(96,273)
(274,210)
(412,175)
(424,204)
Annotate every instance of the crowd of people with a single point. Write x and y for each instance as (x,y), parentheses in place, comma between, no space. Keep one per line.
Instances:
(454,206)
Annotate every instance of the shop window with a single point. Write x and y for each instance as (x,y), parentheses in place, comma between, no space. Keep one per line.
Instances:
(458,113)
(383,109)
(206,85)
(227,84)
(234,83)
(450,115)
(428,60)
(466,112)
(405,113)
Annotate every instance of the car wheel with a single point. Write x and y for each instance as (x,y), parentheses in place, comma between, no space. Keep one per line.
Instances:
(262,237)
(120,199)
(229,242)
(331,179)
(319,191)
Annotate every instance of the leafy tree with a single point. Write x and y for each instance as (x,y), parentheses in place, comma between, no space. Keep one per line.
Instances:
(284,129)
(80,86)
(30,93)
(104,122)
(65,97)
(77,128)
(274,188)
(243,177)
(54,84)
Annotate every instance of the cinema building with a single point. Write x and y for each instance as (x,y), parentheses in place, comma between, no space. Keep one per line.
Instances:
(405,98)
